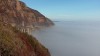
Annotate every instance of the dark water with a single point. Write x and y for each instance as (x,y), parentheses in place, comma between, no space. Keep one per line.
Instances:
(71,38)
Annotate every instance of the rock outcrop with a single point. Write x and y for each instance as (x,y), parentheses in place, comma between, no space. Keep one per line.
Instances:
(22,17)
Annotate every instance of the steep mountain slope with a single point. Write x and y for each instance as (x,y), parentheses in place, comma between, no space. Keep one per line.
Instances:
(15,43)
(16,22)
(24,18)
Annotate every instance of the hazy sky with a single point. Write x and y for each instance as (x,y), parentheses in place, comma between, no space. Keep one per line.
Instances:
(67,9)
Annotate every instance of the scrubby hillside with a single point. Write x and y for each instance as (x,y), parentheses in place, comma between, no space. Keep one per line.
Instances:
(16,43)
(16,22)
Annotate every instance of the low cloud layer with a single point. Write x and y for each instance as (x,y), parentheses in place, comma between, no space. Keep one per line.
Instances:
(71,39)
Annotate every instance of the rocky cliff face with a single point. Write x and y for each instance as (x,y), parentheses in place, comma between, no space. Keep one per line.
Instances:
(16,20)
(22,17)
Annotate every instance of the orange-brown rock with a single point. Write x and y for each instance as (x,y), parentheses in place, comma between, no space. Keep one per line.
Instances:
(18,14)
(14,41)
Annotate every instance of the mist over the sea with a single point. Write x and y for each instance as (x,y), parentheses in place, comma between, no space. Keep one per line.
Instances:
(71,38)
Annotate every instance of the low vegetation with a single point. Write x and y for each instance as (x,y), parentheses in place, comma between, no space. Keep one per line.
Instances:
(16,43)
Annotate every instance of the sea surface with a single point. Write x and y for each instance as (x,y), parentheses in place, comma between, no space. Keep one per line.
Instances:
(71,38)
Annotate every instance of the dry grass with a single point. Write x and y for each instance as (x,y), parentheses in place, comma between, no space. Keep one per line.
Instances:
(16,43)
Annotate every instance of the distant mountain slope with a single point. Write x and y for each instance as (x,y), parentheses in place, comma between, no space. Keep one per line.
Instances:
(24,18)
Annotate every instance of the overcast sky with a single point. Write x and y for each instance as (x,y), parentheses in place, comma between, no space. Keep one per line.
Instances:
(67,9)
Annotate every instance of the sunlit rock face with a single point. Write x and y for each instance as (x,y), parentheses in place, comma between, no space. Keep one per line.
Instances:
(15,16)
(22,17)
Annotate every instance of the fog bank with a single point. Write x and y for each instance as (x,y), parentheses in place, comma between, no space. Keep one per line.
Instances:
(71,38)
